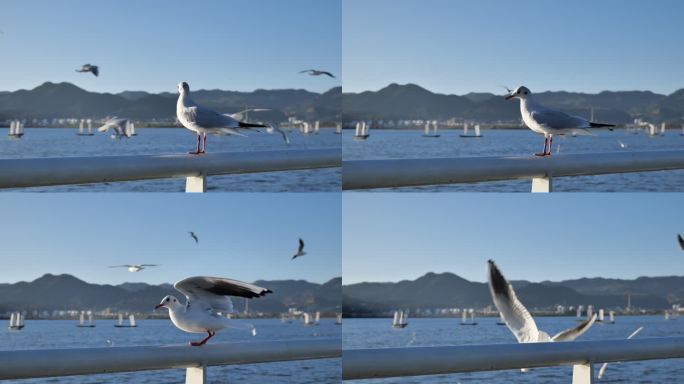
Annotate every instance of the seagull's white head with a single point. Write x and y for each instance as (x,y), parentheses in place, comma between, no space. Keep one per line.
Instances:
(183,87)
(170,302)
(519,93)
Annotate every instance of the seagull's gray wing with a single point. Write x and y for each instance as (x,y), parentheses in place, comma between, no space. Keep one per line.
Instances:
(301,245)
(328,73)
(149,265)
(120,266)
(95,70)
(573,333)
(558,120)
(207,118)
(306,70)
(516,316)
(241,115)
(215,291)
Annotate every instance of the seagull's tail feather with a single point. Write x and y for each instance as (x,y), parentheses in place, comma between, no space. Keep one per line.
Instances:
(252,125)
(601,125)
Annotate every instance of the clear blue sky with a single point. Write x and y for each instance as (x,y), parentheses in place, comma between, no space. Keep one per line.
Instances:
(152,45)
(242,236)
(390,237)
(478,45)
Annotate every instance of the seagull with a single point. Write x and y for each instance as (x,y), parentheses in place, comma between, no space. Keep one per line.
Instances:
(316,72)
(300,250)
(134,267)
(204,120)
(681,241)
(94,69)
(207,304)
(118,125)
(518,319)
(549,122)
(602,371)
(194,237)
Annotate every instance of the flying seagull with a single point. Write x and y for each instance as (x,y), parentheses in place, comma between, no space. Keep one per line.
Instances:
(134,267)
(549,122)
(94,69)
(194,237)
(602,371)
(316,72)
(300,250)
(207,304)
(516,316)
(118,125)
(681,241)
(204,120)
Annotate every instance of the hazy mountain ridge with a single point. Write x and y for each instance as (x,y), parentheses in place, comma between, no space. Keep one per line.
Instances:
(411,101)
(57,292)
(63,100)
(447,290)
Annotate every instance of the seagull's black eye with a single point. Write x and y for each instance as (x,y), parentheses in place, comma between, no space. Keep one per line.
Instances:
(167,299)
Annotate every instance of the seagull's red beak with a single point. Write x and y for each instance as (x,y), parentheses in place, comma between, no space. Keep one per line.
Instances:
(508,97)
(158,306)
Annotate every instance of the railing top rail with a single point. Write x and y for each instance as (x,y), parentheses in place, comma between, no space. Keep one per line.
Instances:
(24,364)
(414,361)
(33,172)
(390,173)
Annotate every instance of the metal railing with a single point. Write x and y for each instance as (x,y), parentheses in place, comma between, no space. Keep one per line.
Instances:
(85,361)
(366,174)
(21,173)
(416,361)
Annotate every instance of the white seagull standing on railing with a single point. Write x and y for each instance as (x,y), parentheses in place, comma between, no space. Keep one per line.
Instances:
(134,267)
(518,319)
(94,69)
(300,250)
(204,120)
(549,122)
(207,304)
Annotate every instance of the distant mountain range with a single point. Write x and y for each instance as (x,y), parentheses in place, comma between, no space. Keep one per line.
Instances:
(58,292)
(447,290)
(410,101)
(64,100)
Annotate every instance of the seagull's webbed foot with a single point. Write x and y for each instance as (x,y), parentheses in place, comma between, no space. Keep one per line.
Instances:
(203,341)
(542,154)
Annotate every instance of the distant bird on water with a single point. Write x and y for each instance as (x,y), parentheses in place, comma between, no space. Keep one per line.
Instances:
(300,250)
(94,69)
(316,72)
(204,120)
(194,237)
(549,122)
(681,241)
(208,302)
(516,316)
(134,267)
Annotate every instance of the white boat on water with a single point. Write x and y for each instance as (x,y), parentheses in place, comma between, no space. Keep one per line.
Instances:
(362,130)
(317,127)
(82,125)
(81,320)
(130,128)
(307,319)
(317,318)
(611,317)
(431,129)
(338,128)
(400,319)
(600,317)
(305,128)
(468,317)
(16,322)
(131,322)
(338,319)
(468,135)
(16,129)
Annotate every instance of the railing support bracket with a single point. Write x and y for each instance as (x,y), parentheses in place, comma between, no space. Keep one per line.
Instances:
(196,375)
(541,184)
(583,374)
(197,184)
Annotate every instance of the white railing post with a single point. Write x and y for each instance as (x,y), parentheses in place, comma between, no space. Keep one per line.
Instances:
(583,373)
(196,184)
(196,375)
(541,184)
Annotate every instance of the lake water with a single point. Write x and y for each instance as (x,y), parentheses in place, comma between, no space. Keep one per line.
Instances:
(62,142)
(44,334)
(378,333)
(393,144)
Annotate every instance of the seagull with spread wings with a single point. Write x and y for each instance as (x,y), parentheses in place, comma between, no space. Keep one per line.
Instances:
(300,250)
(207,304)
(134,267)
(316,72)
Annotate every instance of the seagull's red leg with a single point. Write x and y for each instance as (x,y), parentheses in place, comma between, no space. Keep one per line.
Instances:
(199,138)
(203,341)
(204,148)
(546,139)
(550,145)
